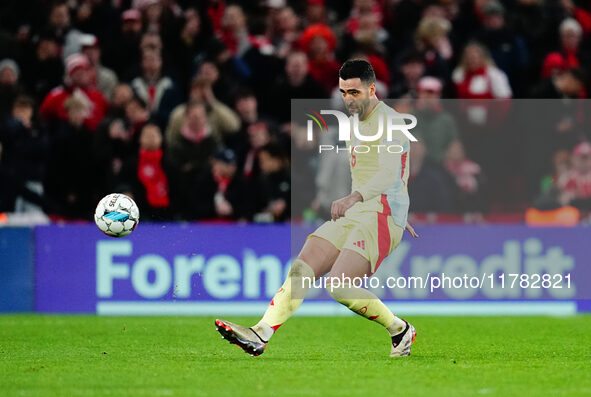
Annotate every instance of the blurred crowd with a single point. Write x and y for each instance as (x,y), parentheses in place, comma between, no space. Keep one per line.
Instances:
(185,105)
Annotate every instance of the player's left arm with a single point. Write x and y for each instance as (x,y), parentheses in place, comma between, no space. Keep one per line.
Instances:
(411,230)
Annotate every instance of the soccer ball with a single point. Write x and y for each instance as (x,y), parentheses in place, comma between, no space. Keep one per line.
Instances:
(117,215)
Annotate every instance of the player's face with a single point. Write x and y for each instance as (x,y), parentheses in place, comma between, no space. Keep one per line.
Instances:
(356,95)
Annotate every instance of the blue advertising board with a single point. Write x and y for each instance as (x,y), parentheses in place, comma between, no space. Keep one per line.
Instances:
(16,270)
(236,269)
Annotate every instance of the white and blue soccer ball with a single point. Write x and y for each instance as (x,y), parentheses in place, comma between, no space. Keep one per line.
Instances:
(117,215)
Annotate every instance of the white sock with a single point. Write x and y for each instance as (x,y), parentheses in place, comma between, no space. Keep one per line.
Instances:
(264,330)
(396,327)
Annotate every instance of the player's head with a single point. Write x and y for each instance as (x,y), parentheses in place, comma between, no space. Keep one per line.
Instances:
(357,83)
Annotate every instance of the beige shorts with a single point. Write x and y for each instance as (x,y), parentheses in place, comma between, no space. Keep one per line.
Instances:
(373,235)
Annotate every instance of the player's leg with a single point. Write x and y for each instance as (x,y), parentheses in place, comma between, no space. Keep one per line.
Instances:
(344,286)
(315,259)
(346,275)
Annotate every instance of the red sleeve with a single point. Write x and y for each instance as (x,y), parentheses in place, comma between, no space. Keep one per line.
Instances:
(101,107)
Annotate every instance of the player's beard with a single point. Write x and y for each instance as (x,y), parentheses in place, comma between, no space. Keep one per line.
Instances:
(358,107)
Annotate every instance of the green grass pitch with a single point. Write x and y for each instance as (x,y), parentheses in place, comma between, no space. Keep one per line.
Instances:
(341,356)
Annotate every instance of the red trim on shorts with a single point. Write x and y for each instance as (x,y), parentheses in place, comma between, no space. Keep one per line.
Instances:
(383,231)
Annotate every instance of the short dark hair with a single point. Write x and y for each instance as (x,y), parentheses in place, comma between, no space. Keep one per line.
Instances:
(354,68)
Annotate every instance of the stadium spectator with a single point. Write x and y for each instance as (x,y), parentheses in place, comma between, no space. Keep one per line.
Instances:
(304,161)
(156,89)
(370,37)
(412,69)
(477,77)
(78,83)
(159,16)
(235,33)
(247,108)
(43,68)
(223,193)
(248,56)
(112,146)
(122,95)
(151,41)
(60,24)
(561,167)
(95,17)
(554,64)
(568,84)
(146,176)
(191,46)
(259,135)
(210,78)
(9,86)
(484,121)
(274,185)
(319,43)
(190,151)
(370,30)
(432,42)
(431,188)
(549,197)
(580,14)
(361,8)
(316,12)
(284,31)
(136,114)
(575,185)
(468,178)
(123,53)
(296,83)
(222,120)
(332,167)
(555,124)
(571,35)
(506,49)
(70,180)
(104,78)
(195,140)
(23,164)
(437,129)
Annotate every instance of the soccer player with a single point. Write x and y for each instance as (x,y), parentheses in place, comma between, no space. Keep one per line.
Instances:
(366,226)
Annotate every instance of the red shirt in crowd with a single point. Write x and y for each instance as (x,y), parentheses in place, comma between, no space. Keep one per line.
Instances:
(53,108)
